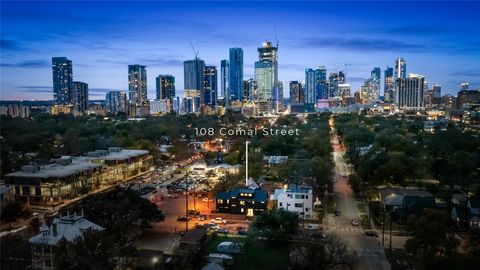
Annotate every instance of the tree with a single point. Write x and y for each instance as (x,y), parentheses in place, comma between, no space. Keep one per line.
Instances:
(94,250)
(275,225)
(35,224)
(431,238)
(323,254)
(11,212)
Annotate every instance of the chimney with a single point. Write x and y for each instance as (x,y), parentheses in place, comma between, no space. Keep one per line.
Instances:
(54,226)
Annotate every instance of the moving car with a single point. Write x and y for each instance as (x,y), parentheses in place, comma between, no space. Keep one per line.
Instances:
(219,220)
(355,222)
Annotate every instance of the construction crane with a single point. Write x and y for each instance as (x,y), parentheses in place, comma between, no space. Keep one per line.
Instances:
(195,52)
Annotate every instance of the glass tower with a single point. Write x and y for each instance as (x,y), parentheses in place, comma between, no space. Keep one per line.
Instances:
(193,77)
(62,80)
(235,84)
(80,97)
(224,72)
(209,95)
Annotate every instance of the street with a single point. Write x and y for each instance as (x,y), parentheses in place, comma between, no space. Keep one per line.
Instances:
(371,255)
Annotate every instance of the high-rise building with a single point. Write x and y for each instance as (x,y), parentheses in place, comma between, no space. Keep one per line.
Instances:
(165,87)
(137,90)
(321,84)
(116,102)
(79,98)
(375,74)
(370,91)
(468,97)
(137,84)
(193,77)
(297,93)
(389,85)
(409,92)
(341,77)
(210,89)
(437,91)
(266,75)
(62,80)
(235,78)
(464,86)
(249,89)
(224,72)
(310,86)
(333,81)
(400,69)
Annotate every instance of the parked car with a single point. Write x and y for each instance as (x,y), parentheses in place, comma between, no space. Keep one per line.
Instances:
(338,212)
(371,233)
(207,200)
(222,230)
(202,217)
(182,218)
(172,196)
(193,212)
(355,222)
(230,248)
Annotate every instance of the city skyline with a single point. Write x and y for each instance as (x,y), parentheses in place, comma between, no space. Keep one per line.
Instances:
(108,39)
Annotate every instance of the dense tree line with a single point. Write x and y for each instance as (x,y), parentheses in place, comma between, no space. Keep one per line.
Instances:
(393,149)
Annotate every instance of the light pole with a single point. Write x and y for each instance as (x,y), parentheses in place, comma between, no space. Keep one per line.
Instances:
(246,163)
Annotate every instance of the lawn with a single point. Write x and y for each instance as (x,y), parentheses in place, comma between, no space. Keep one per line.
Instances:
(259,255)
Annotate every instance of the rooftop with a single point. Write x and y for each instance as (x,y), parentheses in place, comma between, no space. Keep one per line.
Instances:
(115,153)
(57,169)
(194,236)
(68,227)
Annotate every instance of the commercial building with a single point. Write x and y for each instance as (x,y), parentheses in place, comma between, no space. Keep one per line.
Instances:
(62,80)
(165,86)
(79,98)
(15,111)
(246,201)
(235,77)
(67,228)
(409,92)
(295,198)
(137,90)
(250,88)
(69,177)
(400,69)
(389,85)
(193,77)
(116,102)
(468,97)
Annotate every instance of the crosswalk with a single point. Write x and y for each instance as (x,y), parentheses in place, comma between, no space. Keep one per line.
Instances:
(346,229)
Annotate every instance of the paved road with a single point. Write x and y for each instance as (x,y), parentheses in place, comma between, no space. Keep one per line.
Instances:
(371,255)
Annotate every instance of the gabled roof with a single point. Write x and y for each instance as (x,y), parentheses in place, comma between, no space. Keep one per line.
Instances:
(68,228)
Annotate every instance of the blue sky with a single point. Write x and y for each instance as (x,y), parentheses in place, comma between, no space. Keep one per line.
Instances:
(440,40)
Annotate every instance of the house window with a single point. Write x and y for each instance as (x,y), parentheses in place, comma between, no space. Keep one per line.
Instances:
(306,197)
(241,210)
(219,201)
(280,204)
(298,205)
(242,202)
(306,209)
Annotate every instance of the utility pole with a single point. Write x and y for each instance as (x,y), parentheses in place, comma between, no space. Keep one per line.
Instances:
(383,228)
(186,202)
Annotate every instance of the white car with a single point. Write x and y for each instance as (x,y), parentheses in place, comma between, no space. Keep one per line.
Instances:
(207,200)
(219,220)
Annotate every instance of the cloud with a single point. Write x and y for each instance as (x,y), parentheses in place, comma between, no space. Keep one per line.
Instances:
(413,30)
(361,44)
(35,89)
(8,44)
(27,64)
(469,73)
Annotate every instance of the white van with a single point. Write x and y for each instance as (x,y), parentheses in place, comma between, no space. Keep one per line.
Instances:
(230,247)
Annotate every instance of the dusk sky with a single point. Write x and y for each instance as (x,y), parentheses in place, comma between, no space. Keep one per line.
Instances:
(440,40)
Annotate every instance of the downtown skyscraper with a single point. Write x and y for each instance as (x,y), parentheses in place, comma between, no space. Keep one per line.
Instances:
(224,73)
(410,92)
(235,77)
(137,90)
(400,69)
(297,93)
(193,77)
(266,75)
(62,80)
(316,86)
(388,85)
(210,89)
(165,86)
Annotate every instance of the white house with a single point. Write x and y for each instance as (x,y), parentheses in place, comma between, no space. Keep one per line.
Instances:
(43,244)
(295,198)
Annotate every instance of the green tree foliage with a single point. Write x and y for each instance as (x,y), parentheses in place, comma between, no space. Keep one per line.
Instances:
(11,212)
(275,225)
(431,238)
